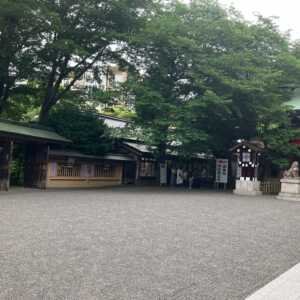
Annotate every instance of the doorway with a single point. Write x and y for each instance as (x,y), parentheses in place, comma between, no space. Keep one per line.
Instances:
(129,172)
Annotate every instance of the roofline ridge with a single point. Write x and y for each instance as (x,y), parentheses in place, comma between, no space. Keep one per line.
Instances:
(32,125)
(114,118)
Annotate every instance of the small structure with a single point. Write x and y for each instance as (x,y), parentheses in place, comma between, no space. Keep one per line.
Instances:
(144,169)
(36,141)
(147,170)
(290,184)
(247,156)
(47,166)
(70,169)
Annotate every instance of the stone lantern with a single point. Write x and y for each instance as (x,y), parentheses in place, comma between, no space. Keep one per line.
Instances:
(247,158)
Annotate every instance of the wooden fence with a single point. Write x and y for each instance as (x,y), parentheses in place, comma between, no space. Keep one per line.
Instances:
(79,170)
(270,187)
(68,171)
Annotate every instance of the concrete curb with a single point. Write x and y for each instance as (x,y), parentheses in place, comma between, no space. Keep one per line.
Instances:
(284,287)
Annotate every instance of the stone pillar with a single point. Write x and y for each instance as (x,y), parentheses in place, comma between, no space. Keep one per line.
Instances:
(290,189)
(6,149)
(247,188)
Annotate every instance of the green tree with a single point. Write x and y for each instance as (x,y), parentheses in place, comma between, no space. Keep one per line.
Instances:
(173,97)
(20,29)
(212,77)
(81,124)
(84,35)
(54,43)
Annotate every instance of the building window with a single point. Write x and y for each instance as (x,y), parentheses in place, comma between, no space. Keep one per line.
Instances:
(105,170)
(147,168)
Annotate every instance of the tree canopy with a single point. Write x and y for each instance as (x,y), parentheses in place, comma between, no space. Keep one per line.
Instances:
(20,29)
(81,124)
(65,39)
(212,78)
(201,76)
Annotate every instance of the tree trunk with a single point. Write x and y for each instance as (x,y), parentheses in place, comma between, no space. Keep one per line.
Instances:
(3,102)
(49,101)
(44,113)
(2,105)
(162,148)
(4,92)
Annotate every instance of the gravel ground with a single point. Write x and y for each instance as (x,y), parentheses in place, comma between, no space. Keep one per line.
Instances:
(143,243)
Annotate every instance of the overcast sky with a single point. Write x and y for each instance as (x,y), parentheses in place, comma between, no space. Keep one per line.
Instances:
(288,12)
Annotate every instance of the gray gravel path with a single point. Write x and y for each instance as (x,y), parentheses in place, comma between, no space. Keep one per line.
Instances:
(143,244)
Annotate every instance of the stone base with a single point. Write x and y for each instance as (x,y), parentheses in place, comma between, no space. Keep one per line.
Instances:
(290,189)
(247,188)
(288,197)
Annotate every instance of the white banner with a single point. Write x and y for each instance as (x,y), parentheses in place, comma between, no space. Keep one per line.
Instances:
(222,171)
(179,178)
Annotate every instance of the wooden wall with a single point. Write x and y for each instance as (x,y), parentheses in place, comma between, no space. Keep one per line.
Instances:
(82,179)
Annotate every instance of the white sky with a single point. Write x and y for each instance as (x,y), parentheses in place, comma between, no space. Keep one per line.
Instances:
(288,12)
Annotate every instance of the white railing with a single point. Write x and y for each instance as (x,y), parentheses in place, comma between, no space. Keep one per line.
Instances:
(101,170)
(68,171)
(104,171)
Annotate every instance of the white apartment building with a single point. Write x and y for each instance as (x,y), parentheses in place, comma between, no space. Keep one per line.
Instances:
(108,80)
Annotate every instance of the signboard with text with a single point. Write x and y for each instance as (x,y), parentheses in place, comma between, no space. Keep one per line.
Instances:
(163,174)
(222,171)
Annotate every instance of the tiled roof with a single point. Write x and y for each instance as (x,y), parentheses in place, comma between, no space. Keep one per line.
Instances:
(25,131)
(139,147)
(110,156)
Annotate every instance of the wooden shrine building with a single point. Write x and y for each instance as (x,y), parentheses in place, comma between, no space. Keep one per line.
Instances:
(144,169)
(36,142)
(247,157)
(47,164)
(72,169)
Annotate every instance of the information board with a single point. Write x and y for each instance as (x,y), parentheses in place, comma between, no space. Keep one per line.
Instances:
(222,171)
(163,174)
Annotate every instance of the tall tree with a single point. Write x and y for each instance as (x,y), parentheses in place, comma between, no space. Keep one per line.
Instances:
(83,35)
(171,84)
(20,26)
(80,123)
(212,77)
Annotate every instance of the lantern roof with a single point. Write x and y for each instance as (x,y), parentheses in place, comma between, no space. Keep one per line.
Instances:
(254,145)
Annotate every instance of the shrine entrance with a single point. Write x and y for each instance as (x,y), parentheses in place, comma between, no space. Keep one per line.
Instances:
(23,164)
(129,172)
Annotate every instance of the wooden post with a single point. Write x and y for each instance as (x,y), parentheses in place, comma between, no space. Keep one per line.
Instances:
(6,149)
(137,173)
(43,164)
(36,166)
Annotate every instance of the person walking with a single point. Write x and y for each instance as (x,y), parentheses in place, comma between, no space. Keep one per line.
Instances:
(179,178)
(185,176)
(191,181)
